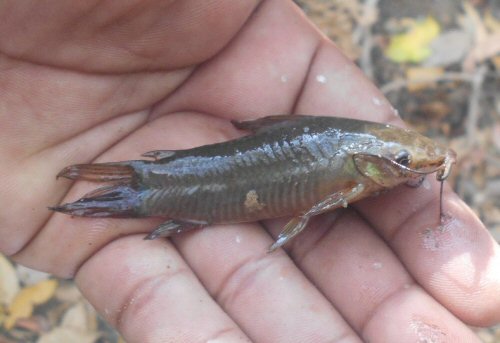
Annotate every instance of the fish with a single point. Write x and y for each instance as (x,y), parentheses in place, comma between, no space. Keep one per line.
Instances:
(289,165)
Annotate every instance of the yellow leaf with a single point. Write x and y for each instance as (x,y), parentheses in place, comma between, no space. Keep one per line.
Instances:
(413,46)
(24,302)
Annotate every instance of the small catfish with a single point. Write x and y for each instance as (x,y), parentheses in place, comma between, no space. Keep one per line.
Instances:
(291,165)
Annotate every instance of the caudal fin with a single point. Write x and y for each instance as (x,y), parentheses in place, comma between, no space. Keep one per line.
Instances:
(102,172)
(111,201)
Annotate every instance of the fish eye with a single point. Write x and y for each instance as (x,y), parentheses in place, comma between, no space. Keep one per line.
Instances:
(403,157)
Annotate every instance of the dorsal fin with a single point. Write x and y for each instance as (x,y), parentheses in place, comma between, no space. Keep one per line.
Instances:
(256,125)
(159,154)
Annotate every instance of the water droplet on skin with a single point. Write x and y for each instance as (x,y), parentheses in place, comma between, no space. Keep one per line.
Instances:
(396,112)
(377,265)
(321,78)
(238,239)
(284,78)
(426,184)
(377,101)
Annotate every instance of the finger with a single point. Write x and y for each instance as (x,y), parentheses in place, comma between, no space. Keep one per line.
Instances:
(261,73)
(456,261)
(111,37)
(265,293)
(146,290)
(353,267)
(388,213)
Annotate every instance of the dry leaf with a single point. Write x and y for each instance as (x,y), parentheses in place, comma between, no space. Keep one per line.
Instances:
(30,276)
(413,46)
(491,23)
(448,48)
(486,42)
(23,304)
(77,325)
(79,317)
(9,284)
(496,62)
(64,334)
(422,77)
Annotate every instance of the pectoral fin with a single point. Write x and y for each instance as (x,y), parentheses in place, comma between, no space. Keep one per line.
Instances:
(297,224)
(261,123)
(291,229)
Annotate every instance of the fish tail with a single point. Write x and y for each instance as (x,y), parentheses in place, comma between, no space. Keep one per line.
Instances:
(101,172)
(111,201)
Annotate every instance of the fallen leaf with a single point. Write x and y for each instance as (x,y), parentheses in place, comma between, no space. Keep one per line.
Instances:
(23,304)
(77,326)
(486,37)
(491,23)
(9,283)
(422,77)
(79,317)
(64,334)
(448,48)
(30,276)
(413,46)
(496,62)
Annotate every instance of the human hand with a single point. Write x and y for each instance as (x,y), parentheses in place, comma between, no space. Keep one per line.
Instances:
(109,82)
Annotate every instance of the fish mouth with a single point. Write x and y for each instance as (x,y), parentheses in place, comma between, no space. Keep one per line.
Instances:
(442,168)
(445,170)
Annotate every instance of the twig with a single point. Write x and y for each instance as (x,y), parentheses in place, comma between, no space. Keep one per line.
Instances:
(367,20)
(446,77)
(449,76)
(473,108)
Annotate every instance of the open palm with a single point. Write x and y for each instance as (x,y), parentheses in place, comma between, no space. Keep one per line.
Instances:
(109,81)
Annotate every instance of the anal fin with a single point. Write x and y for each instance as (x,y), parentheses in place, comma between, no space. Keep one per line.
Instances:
(297,224)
